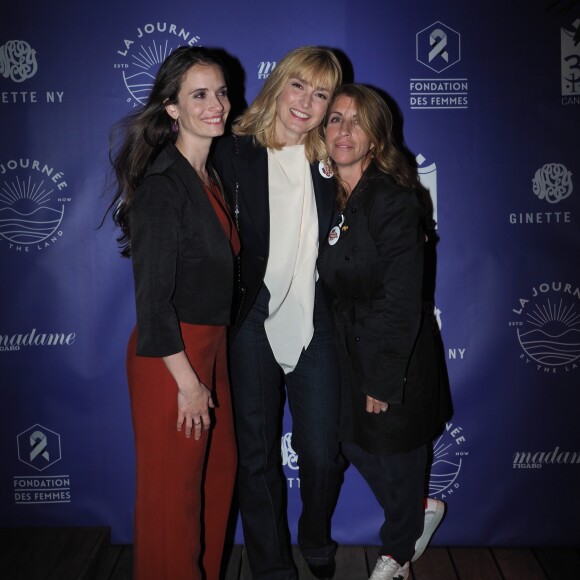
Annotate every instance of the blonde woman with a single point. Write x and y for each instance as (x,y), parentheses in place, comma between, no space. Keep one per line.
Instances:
(282,341)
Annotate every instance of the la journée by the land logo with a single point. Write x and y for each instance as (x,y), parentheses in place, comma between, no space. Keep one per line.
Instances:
(547,323)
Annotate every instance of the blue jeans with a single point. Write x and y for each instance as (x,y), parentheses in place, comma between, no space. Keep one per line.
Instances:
(313,398)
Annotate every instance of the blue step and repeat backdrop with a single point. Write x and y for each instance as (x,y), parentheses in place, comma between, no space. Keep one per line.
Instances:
(489,95)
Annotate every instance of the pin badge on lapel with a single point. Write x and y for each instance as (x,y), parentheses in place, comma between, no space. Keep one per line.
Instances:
(325,170)
(334,233)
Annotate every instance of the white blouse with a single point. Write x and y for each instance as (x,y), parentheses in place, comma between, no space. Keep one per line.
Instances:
(291,270)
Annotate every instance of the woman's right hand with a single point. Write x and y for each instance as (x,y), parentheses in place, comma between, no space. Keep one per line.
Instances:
(376,406)
(193,397)
(193,404)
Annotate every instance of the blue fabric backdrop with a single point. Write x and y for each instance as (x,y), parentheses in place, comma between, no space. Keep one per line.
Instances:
(490,101)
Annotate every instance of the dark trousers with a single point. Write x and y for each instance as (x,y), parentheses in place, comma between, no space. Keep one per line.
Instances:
(313,398)
(398,482)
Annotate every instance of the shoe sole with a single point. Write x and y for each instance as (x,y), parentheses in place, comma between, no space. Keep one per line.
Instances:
(428,532)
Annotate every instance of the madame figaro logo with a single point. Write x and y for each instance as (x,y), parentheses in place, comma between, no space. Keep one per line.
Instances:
(143,53)
(548,327)
(537,459)
(15,342)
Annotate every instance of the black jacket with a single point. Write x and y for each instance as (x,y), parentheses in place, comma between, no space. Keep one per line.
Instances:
(388,339)
(243,167)
(182,260)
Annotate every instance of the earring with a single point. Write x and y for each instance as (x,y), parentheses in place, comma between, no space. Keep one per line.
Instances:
(175,126)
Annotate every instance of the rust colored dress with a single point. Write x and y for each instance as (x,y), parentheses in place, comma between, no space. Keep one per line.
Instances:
(184,487)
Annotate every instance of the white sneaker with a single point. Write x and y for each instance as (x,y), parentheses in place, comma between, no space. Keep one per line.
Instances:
(434,513)
(388,569)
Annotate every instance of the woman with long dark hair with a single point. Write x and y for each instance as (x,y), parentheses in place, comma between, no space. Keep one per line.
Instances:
(177,229)
(395,395)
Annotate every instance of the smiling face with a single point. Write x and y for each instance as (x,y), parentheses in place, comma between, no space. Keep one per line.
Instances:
(202,104)
(347,143)
(300,107)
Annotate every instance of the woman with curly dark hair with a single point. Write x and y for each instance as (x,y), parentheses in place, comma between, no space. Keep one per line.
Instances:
(395,395)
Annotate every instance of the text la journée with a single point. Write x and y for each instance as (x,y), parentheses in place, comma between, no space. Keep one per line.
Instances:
(159,27)
(545,287)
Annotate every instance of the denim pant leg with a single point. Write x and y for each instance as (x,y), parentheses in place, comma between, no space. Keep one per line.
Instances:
(313,397)
(257,389)
(398,483)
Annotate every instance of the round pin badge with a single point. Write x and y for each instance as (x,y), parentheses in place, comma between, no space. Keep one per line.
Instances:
(325,170)
(334,233)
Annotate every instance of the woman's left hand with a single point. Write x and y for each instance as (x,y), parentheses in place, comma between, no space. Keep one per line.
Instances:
(376,406)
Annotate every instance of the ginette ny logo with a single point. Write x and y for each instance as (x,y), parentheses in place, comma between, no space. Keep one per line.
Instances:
(449,454)
(548,327)
(32,204)
(17,61)
(289,459)
(428,179)
(453,353)
(438,47)
(552,184)
(570,64)
(265,68)
(39,448)
(144,51)
(537,459)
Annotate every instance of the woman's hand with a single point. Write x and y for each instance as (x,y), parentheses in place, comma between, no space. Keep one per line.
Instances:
(193,397)
(193,404)
(376,406)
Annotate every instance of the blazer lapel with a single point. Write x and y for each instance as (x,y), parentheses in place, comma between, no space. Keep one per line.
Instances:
(324,194)
(196,191)
(251,166)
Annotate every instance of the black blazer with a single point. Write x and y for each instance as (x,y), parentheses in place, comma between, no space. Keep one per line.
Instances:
(243,167)
(182,260)
(388,339)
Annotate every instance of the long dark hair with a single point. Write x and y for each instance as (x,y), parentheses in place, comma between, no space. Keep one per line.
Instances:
(376,120)
(139,138)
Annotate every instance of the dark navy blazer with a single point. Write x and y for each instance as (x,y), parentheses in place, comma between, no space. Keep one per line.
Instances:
(182,259)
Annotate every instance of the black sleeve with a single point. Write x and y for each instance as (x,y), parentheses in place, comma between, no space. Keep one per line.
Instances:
(155,220)
(395,226)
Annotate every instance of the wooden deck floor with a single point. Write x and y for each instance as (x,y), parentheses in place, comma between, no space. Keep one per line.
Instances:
(86,554)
